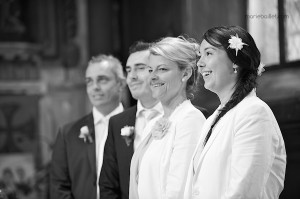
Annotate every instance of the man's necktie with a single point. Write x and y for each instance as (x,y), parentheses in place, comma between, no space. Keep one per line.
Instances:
(145,116)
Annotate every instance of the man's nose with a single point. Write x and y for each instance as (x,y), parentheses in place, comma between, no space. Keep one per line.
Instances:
(132,75)
(96,85)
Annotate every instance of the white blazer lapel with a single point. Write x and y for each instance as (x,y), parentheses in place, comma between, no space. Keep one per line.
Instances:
(215,133)
(217,129)
(193,167)
(199,147)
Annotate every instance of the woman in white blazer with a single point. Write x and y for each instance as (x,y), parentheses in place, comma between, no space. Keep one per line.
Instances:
(241,152)
(159,166)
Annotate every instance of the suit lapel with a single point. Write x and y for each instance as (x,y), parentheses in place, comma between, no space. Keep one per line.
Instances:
(91,149)
(215,133)
(219,127)
(130,121)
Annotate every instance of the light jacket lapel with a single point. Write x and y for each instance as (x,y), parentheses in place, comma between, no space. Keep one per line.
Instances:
(210,141)
(215,133)
(217,130)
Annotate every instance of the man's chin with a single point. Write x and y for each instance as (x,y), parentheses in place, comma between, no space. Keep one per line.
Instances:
(136,95)
(99,103)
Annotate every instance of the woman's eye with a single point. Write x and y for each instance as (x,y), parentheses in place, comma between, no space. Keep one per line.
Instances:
(162,69)
(208,53)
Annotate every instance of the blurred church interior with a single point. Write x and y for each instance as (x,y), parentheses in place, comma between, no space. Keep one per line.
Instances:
(45,46)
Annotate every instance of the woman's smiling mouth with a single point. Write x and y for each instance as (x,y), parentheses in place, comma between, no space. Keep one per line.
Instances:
(157,84)
(206,73)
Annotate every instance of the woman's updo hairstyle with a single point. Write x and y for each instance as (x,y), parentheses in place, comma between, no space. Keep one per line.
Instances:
(182,51)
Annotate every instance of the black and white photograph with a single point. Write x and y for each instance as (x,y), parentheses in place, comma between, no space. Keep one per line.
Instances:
(149,99)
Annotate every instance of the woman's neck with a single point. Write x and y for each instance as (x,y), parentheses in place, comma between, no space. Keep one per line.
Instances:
(225,96)
(171,105)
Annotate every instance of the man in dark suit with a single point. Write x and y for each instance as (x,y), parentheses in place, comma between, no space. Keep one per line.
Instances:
(126,128)
(78,151)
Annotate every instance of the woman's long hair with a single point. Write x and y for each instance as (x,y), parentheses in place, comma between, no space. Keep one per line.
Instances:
(248,60)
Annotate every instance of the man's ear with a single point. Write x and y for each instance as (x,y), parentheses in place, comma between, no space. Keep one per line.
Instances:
(187,74)
(122,84)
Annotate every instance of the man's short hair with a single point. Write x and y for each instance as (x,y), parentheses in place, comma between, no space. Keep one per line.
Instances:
(139,46)
(115,63)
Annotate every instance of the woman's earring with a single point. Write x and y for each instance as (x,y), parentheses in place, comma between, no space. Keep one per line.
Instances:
(234,68)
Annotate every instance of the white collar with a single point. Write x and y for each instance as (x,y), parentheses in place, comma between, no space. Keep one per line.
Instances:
(251,94)
(98,116)
(158,107)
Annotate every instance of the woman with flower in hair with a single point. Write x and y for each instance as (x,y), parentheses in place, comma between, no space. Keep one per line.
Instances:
(241,152)
(159,165)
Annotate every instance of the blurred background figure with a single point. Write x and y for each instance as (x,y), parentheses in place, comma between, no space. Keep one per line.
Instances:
(78,151)
(24,185)
(8,184)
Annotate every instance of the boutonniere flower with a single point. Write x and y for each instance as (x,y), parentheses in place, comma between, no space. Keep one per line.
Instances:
(260,69)
(85,134)
(127,132)
(160,128)
(236,43)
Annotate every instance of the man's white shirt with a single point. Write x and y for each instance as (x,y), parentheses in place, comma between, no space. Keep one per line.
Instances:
(101,131)
(143,117)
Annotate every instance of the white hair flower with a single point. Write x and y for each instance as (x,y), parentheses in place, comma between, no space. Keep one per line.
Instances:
(260,69)
(236,43)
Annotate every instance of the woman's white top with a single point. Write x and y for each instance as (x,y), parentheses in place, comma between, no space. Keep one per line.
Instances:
(164,166)
(244,157)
